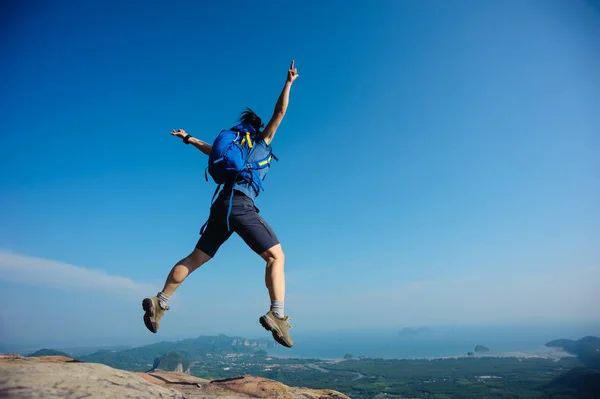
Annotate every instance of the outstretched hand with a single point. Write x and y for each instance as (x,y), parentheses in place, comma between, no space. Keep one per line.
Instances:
(292,73)
(179,133)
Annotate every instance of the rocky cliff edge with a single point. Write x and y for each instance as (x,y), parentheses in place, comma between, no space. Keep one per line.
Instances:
(62,377)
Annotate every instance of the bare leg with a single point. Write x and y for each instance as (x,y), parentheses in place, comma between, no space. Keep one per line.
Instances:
(274,272)
(184,268)
(278,325)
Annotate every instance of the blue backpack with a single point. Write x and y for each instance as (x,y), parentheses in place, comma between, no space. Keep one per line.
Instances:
(228,161)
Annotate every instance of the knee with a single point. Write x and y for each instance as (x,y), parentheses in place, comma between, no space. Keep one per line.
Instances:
(179,273)
(188,264)
(274,254)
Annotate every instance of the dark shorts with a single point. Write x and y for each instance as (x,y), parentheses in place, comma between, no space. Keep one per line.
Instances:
(243,220)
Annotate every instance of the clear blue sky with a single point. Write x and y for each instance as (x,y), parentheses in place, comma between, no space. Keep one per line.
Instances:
(438,163)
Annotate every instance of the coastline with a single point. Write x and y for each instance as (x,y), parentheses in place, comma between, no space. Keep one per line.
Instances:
(547,353)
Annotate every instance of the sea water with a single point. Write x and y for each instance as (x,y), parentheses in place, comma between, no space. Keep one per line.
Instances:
(432,342)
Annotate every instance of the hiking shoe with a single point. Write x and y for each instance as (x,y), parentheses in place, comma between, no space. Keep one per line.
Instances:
(279,328)
(153,313)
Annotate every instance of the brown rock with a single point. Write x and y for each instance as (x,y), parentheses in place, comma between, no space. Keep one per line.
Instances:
(57,376)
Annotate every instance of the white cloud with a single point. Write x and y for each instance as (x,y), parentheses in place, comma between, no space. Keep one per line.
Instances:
(23,269)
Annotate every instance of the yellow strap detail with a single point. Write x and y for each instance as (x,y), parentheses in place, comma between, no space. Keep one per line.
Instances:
(265,161)
(248,138)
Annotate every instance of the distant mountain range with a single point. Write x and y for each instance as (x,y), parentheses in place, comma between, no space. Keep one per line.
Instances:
(193,349)
(168,356)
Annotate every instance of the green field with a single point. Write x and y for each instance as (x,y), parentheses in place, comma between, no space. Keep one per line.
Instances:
(368,378)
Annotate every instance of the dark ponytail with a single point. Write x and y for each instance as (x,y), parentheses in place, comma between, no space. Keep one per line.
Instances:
(251,119)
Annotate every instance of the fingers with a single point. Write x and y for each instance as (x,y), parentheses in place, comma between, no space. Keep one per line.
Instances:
(292,72)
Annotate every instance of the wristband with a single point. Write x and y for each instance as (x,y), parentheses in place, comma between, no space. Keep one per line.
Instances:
(186,139)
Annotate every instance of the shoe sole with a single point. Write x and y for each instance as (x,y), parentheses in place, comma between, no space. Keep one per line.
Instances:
(148,307)
(271,327)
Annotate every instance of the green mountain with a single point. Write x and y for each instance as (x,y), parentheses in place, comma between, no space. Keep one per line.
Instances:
(586,349)
(195,349)
(584,345)
(49,352)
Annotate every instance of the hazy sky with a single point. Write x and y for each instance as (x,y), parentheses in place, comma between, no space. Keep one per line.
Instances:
(438,163)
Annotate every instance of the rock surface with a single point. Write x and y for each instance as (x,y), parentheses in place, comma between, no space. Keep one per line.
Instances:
(62,377)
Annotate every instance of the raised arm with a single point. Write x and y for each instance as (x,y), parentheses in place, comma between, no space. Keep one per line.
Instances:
(199,144)
(281,106)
